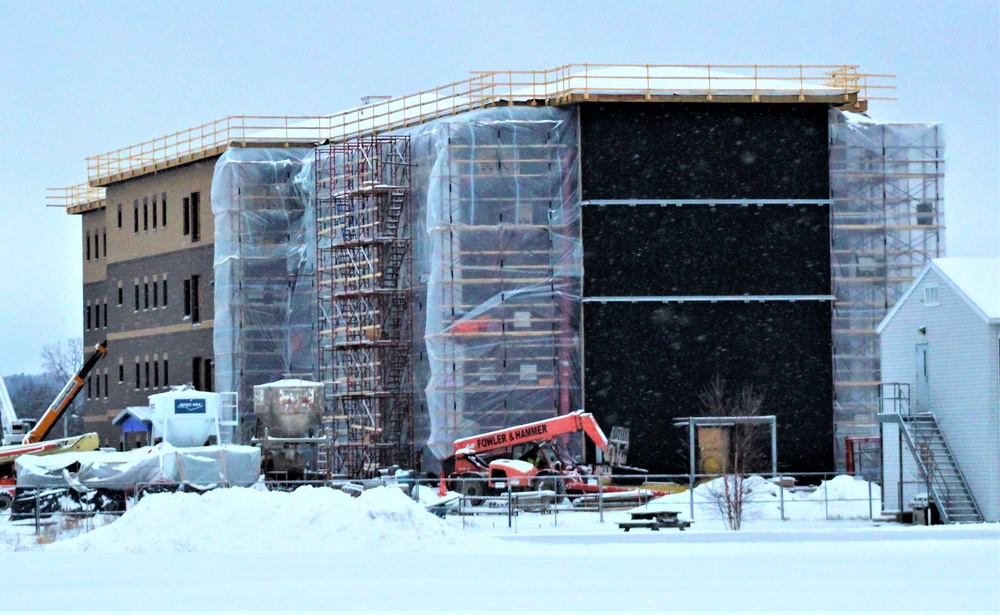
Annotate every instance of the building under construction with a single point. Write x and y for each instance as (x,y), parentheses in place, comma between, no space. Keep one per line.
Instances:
(523,244)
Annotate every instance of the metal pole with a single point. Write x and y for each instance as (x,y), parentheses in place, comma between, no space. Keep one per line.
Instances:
(781,499)
(600,498)
(774,465)
(871,515)
(692,468)
(826,499)
(510,506)
(37,518)
(899,436)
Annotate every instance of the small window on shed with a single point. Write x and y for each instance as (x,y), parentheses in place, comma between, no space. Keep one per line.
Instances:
(932,296)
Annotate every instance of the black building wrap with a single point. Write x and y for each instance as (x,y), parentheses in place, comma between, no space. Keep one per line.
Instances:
(647,362)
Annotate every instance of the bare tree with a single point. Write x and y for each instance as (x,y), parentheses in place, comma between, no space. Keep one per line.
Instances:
(63,359)
(744,450)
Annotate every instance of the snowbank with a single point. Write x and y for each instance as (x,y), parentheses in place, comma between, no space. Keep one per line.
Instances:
(306,520)
(842,497)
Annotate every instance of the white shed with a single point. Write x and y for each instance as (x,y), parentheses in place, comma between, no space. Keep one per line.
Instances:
(941,344)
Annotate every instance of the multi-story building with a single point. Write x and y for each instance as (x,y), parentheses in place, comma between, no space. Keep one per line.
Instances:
(606,237)
(147,288)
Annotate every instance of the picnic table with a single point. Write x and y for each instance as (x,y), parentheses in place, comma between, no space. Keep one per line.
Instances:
(654,520)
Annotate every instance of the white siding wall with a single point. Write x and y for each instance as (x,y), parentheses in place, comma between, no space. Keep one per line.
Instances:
(963,382)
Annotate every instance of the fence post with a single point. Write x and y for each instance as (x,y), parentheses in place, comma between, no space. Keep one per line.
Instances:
(691,495)
(510,506)
(826,500)
(871,515)
(37,517)
(600,499)
(781,497)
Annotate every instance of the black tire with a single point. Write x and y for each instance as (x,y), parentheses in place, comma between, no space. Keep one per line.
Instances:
(5,502)
(551,483)
(473,491)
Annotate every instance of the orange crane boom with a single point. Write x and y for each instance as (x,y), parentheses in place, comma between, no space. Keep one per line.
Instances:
(539,431)
(62,401)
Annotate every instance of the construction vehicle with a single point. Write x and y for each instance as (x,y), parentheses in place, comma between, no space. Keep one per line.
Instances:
(33,440)
(532,456)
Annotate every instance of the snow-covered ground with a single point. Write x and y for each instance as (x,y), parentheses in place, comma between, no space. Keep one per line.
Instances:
(316,548)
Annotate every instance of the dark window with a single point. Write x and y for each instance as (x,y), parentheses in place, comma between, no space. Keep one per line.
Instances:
(97,245)
(121,373)
(163,208)
(164,292)
(156,374)
(86,241)
(119,215)
(137,375)
(105,314)
(195,312)
(187,215)
(97,388)
(166,373)
(135,215)
(136,296)
(145,213)
(209,365)
(121,295)
(195,216)
(147,374)
(156,294)
(154,212)
(87,318)
(105,385)
(104,238)
(145,296)
(89,391)
(187,297)
(196,368)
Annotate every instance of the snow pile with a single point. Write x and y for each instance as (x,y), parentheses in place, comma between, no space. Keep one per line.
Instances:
(307,520)
(842,497)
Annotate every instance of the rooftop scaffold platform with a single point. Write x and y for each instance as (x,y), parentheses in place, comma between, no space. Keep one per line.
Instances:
(886,183)
(364,273)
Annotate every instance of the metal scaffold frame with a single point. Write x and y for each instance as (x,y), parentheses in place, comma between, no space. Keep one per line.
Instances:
(364,288)
(886,182)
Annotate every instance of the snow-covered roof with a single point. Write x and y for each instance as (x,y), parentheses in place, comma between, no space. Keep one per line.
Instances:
(143,413)
(612,80)
(289,382)
(975,279)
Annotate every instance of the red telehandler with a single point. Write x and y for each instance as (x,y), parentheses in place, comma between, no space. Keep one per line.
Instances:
(526,457)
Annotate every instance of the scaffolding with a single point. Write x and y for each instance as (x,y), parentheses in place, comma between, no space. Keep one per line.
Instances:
(502,258)
(364,263)
(886,183)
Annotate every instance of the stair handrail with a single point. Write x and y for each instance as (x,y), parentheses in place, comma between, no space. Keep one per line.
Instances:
(921,469)
(951,457)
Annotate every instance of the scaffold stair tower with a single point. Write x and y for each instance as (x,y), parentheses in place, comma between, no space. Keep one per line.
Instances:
(364,257)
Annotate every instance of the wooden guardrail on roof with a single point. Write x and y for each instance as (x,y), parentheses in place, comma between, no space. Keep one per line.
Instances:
(836,84)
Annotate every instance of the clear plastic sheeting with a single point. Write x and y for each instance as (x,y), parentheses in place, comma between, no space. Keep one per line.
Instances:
(886,182)
(204,465)
(265,300)
(498,259)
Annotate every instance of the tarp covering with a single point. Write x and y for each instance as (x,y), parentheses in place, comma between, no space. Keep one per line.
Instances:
(265,300)
(498,249)
(230,464)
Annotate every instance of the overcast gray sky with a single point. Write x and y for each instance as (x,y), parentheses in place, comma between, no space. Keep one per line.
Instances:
(83,78)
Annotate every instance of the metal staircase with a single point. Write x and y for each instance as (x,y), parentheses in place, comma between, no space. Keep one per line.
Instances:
(933,457)
(936,462)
